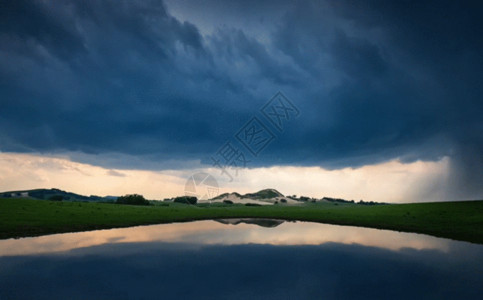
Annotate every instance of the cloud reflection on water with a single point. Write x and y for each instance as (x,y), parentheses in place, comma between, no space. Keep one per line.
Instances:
(212,233)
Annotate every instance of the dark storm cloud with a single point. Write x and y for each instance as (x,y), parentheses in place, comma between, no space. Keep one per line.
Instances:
(126,87)
(28,20)
(409,84)
(374,81)
(138,81)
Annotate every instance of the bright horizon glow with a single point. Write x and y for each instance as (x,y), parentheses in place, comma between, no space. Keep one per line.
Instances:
(391,181)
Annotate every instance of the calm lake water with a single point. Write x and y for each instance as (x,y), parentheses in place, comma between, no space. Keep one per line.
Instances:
(240,259)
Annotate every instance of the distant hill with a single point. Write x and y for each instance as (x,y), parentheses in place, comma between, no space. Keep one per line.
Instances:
(56,195)
(272,196)
(264,194)
(263,197)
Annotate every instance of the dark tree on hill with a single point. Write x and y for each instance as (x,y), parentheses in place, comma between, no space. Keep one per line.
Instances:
(133,199)
(186,200)
(56,198)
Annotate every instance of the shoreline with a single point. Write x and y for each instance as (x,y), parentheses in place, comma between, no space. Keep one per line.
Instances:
(461,221)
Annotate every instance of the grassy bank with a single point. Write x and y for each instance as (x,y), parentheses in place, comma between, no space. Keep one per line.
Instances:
(455,220)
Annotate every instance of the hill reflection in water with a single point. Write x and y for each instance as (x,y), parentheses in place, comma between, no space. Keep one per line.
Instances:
(211,232)
(211,260)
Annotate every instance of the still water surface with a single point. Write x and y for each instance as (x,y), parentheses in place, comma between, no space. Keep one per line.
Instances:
(237,259)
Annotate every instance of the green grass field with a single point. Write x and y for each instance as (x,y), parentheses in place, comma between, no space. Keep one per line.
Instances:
(454,220)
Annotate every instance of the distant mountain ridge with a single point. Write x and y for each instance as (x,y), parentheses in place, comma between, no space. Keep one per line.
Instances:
(272,196)
(263,197)
(55,194)
(263,194)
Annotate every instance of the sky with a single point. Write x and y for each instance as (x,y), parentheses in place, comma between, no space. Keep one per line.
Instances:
(373,100)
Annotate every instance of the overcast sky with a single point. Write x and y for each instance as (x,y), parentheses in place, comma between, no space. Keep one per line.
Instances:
(165,87)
